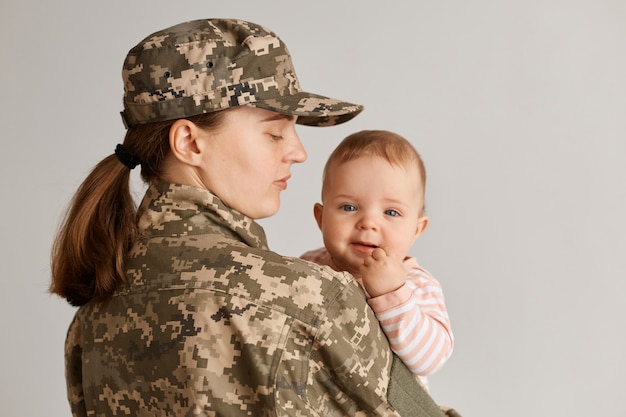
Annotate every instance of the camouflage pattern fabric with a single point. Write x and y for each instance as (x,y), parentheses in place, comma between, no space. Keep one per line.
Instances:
(214,324)
(213,64)
(450,412)
(409,400)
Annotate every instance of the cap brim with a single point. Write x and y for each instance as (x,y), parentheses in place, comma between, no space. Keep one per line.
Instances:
(312,109)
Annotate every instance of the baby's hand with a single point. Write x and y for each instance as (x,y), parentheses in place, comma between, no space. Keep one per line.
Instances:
(382,273)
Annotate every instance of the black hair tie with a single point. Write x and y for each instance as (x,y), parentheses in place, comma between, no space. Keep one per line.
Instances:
(125,158)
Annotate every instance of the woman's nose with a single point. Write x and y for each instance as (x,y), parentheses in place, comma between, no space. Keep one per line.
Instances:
(299,152)
(296,153)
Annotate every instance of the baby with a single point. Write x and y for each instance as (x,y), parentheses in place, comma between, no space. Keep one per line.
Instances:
(372,212)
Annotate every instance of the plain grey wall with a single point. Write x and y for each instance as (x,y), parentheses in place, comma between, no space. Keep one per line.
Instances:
(517,107)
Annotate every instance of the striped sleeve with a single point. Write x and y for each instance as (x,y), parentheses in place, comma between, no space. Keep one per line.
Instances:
(416,322)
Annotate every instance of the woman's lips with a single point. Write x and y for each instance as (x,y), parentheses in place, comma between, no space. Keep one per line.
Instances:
(281,184)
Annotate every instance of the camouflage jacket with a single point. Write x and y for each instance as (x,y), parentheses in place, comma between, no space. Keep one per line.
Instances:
(215,324)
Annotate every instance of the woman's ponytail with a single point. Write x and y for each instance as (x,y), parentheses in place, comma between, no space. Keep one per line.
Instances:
(89,251)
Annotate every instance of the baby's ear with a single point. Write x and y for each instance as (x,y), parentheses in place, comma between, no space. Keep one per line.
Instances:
(318,212)
(422,225)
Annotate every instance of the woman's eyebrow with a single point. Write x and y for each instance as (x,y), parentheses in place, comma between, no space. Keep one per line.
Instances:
(279,116)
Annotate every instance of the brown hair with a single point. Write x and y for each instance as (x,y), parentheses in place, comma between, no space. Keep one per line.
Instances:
(384,144)
(99,227)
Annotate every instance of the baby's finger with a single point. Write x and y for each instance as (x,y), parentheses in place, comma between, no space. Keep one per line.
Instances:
(379,253)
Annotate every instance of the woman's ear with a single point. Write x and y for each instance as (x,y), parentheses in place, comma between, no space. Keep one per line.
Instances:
(318,212)
(184,142)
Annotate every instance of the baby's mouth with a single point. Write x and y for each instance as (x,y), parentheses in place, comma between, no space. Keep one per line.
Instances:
(366,244)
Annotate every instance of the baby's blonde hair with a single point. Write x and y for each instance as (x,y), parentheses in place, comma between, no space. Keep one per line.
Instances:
(384,144)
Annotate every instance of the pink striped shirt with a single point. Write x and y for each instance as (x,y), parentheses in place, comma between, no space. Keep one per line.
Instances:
(413,317)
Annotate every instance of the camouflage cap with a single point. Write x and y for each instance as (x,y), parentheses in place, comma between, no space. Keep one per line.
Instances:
(208,65)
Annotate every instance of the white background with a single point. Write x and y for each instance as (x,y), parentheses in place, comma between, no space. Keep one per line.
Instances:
(517,107)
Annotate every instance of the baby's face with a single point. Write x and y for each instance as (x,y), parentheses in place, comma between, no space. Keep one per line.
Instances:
(369,203)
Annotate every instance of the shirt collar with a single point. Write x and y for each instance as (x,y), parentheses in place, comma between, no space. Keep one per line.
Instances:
(180,210)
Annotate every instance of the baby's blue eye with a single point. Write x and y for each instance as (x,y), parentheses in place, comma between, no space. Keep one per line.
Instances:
(392,213)
(348,207)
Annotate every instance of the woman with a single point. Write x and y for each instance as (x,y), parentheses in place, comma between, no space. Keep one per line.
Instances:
(183,308)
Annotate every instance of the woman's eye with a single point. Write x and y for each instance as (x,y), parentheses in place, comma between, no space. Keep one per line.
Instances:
(348,207)
(392,213)
(275,137)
